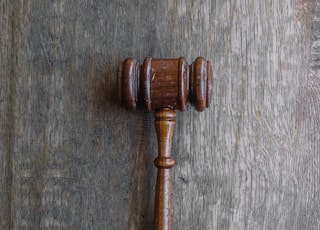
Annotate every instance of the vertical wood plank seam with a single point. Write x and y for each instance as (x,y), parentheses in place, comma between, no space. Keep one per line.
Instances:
(10,115)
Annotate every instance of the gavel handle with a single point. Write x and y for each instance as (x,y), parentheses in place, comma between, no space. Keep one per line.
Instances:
(164,125)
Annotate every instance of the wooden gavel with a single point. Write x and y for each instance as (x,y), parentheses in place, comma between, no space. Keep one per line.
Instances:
(164,85)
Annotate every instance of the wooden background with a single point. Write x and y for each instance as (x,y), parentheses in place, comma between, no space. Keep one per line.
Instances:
(71,158)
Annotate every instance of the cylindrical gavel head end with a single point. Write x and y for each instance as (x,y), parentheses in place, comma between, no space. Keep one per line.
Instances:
(128,83)
(165,83)
(201,77)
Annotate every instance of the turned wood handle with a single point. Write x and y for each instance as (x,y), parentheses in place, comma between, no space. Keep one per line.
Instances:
(164,125)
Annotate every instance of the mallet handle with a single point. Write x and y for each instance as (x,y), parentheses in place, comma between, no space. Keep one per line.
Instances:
(164,125)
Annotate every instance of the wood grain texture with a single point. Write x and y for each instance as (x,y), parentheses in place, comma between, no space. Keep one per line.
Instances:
(71,158)
(164,125)
(164,83)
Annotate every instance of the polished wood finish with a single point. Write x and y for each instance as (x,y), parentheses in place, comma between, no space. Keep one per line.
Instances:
(165,83)
(164,125)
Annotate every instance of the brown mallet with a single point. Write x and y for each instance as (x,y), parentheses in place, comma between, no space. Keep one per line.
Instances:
(164,85)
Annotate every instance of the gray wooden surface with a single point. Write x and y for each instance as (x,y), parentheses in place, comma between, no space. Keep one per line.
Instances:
(72,159)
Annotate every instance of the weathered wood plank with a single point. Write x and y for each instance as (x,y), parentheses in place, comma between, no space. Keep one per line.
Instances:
(78,161)
(308,141)
(75,149)
(6,95)
(247,176)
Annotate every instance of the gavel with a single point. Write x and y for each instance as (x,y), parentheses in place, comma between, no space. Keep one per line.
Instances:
(164,85)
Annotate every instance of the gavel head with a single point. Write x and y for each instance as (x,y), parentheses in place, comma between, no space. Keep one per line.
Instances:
(165,83)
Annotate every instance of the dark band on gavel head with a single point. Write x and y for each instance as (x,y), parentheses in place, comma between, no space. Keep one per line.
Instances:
(165,83)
